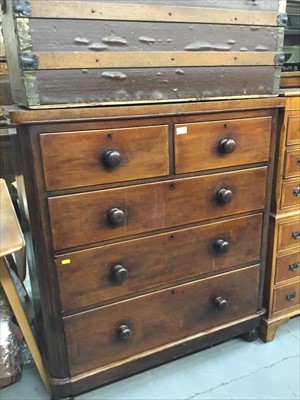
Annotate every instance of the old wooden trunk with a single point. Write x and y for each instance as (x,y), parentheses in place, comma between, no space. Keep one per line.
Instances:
(98,52)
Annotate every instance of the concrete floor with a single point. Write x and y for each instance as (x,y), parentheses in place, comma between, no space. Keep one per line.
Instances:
(233,370)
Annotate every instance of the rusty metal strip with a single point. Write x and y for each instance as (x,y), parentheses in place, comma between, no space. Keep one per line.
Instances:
(75,60)
(137,12)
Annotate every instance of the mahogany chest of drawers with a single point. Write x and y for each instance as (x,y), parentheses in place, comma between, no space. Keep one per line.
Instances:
(283,268)
(148,230)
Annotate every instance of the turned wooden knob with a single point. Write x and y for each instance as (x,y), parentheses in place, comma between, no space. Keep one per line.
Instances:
(222,246)
(221,303)
(124,332)
(225,195)
(116,216)
(119,273)
(111,158)
(227,145)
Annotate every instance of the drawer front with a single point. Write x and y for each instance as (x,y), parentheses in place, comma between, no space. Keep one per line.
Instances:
(289,235)
(293,129)
(290,195)
(112,333)
(287,267)
(116,213)
(292,163)
(206,145)
(124,269)
(286,297)
(76,159)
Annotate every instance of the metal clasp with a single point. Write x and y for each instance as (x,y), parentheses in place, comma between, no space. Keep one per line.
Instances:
(29,61)
(21,8)
(282,20)
(279,58)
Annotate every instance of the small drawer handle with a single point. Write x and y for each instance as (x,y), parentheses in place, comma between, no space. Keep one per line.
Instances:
(222,304)
(227,145)
(112,158)
(119,273)
(290,296)
(298,161)
(296,235)
(116,216)
(296,191)
(294,266)
(222,246)
(225,195)
(124,332)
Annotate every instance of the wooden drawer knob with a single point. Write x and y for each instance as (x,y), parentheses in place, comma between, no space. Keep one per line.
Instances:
(111,158)
(119,273)
(116,216)
(124,332)
(222,246)
(227,145)
(221,303)
(225,195)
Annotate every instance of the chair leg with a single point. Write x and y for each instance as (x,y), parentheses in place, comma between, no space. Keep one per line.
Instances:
(13,265)
(16,305)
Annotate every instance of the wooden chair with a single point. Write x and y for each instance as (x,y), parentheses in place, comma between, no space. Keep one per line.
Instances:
(11,241)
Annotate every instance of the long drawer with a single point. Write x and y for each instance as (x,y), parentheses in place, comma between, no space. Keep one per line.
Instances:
(217,144)
(115,213)
(115,332)
(84,158)
(124,269)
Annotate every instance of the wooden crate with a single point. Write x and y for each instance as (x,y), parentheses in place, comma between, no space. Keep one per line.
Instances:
(98,52)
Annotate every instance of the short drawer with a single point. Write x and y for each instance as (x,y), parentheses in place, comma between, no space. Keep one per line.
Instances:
(292,163)
(108,214)
(290,195)
(286,297)
(287,267)
(114,271)
(293,129)
(206,145)
(289,234)
(77,159)
(115,332)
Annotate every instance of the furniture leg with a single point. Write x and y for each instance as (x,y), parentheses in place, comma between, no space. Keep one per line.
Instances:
(16,305)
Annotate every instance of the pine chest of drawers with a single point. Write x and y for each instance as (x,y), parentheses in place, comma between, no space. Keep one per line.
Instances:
(282,292)
(149,228)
